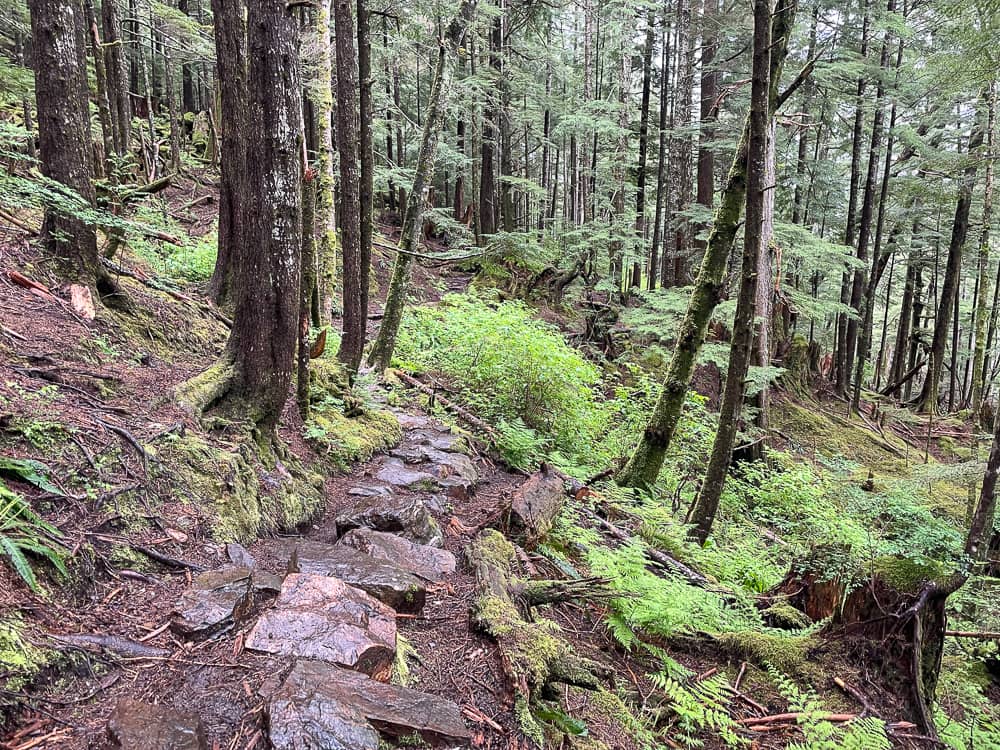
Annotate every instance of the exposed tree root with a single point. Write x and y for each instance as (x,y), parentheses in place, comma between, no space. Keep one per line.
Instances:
(535,657)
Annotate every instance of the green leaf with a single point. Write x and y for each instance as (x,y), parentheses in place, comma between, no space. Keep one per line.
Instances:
(31,471)
(20,563)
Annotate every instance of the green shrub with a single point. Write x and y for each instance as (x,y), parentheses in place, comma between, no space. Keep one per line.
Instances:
(510,369)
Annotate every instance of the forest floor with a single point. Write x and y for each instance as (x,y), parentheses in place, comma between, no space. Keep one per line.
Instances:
(89,400)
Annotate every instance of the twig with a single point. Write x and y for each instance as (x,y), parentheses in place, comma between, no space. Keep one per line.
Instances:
(128,436)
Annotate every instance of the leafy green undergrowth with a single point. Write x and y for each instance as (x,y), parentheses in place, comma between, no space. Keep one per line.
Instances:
(190,260)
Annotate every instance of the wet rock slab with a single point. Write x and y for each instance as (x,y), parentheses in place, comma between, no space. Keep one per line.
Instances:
(407,517)
(442,441)
(319,617)
(322,706)
(396,472)
(379,576)
(215,595)
(142,726)
(430,563)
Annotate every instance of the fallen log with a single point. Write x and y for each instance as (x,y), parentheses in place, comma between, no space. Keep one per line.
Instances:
(984,635)
(535,505)
(659,557)
(534,655)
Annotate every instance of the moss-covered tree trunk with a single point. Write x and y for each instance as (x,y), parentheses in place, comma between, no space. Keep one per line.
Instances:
(307,284)
(252,378)
(644,465)
(321,96)
(385,343)
(100,79)
(740,349)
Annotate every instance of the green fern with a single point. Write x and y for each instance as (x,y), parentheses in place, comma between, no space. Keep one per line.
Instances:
(24,533)
(698,708)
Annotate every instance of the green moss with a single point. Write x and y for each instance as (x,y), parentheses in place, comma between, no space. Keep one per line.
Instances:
(247,491)
(347,440)
(784,615)
(785,653)
(907,575)
(20,660)
(497,550)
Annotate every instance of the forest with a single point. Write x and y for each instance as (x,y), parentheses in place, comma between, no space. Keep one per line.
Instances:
(499,374)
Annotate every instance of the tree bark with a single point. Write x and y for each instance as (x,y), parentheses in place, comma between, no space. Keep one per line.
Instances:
(979,351)
(114,68)
(661,160)
(231,71)
(354,318)
(62,104)
(251,380)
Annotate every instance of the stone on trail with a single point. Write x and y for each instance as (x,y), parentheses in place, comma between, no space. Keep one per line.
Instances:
(319,617)
(423,560)
(238,555)
(322,706)
(413,421)
(383,578)
(370,490)
(216,594)
(395,472)
(142,726)
(407,517)
(442,441)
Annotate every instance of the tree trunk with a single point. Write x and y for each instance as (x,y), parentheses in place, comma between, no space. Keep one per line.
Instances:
(842,369)
(252,378)
(647,459)
(640,178)
(307,282)
(231,71)
(114,69)
(487,179)
(103,105)
(979,356)
(385,343)
(367,162)
(661,159)
(705,190)
(928,398)
(326,215)
(352,341)
(742,342)
(62,102)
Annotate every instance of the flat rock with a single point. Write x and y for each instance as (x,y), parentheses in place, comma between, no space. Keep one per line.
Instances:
(134,725)
(215,595)
(442,441)
(370,490)
(394,471)
(319,617)
(323,706)
(423,560)
(387,580)
(407,517)
(413,421)
(239,556)
(410,454)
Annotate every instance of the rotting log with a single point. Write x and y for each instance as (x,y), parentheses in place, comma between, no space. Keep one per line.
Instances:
(535,505)
(534,655)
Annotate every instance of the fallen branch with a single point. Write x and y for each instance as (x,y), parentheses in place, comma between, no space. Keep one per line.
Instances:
(154,284)
(114,643)
(985,635)
(170,562)
(459,411)
(795,716)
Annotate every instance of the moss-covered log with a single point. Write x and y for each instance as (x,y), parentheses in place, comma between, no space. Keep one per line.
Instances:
(534,655)
(535,505)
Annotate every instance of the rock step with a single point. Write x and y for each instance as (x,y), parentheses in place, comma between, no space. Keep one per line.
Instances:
(407,517)
(215,595)
(322,706)
(319,617)
(421,560)
(380,576)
